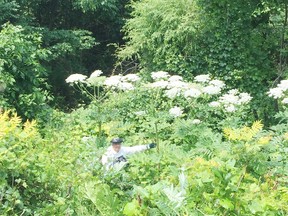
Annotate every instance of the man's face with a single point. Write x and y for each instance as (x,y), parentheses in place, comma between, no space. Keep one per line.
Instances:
(116,147)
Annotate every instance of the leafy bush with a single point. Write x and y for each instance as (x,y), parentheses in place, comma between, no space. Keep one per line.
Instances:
(27,175)
(23,78)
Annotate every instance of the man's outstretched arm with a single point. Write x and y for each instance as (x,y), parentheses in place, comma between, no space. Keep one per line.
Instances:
(139,148)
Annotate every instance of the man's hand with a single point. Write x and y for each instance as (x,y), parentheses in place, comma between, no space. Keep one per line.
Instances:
(121,159)
(152,145)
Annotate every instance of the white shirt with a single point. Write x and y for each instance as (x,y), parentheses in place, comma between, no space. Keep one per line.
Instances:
(110,156)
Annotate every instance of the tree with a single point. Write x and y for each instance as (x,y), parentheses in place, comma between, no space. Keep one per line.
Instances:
(23,78)
(68,31)
(236,41)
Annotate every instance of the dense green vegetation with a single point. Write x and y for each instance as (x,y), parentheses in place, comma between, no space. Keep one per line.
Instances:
(53,39)
(219,116)
(243,42)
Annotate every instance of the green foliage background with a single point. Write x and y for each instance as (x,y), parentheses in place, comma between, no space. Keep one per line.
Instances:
(225,166)
(243,42)
(65,37)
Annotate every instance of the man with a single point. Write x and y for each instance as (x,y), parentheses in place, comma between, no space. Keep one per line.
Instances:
(117,153)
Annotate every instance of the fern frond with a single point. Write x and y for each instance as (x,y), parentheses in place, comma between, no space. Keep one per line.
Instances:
(30,127)
(166,208)
(9,122)
(256,127)
(15,120)
(154,212)
(264,140)
(175,196)
(245,133)
(209,153)
(230,134)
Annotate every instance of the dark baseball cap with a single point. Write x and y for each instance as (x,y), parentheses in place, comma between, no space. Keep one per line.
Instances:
(116,140)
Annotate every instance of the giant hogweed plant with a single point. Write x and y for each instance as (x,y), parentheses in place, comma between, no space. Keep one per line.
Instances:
(153,104)
(159,101)
(280,92)
(164,98)
(98,88)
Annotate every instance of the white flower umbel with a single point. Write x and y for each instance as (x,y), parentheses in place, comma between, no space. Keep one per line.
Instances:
(160,75)
(276,93)
(230,108)
(229,99)
(192,93)
(173,93)
(159,84)
(232,100)
(217,83)
(212,90)
(177,84)
(131,78)
(76,78)
(214,104)
(125,86)
(202,78)
(96,73)
(283,85)
(175,78)
(285,101)
(244,98)
(280,91)
(140,113)
(113,81)
(196,121)
(233,91)
(175,112)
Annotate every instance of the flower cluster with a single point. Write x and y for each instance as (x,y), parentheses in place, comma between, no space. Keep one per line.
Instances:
(96,73)
(280,92)
(159,75)
(232,100)
(196,121)
(140,113)
(203,86)
(131,78)
(119,82)
(113,81)
(174,86)
(192,93)
(176,112)
(202,78)
(75,78)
